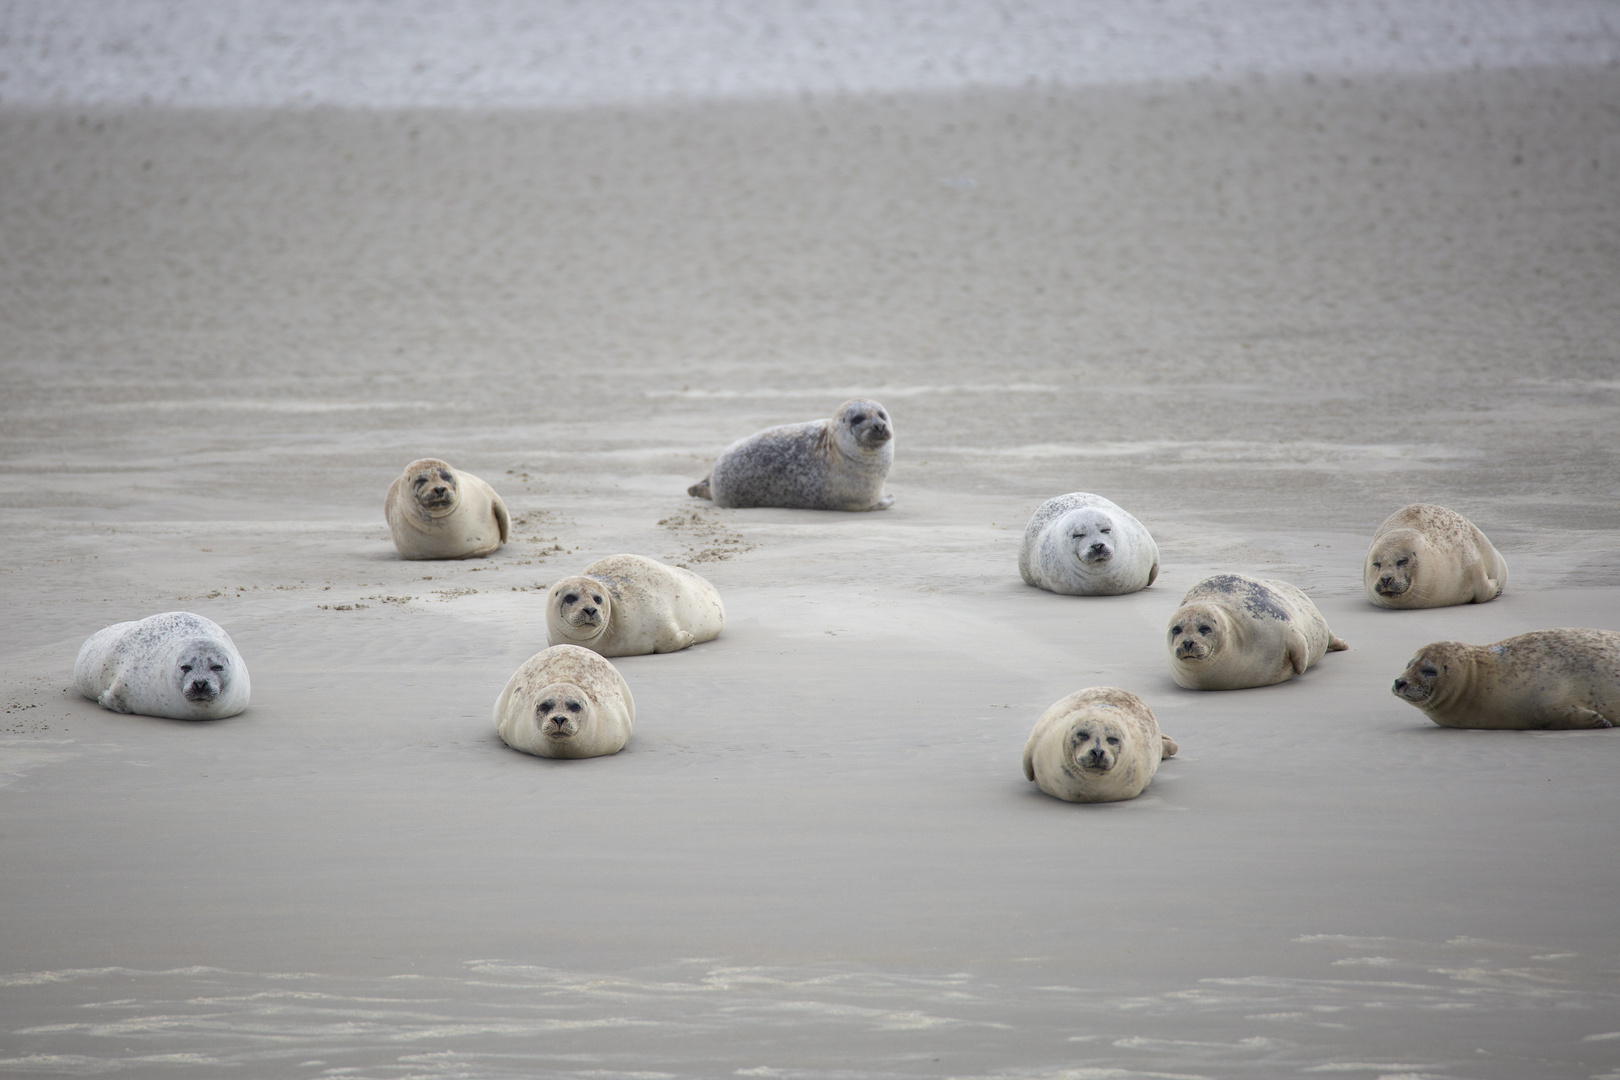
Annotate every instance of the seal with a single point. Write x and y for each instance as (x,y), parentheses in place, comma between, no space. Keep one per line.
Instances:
(177,664)
(1426,556)
(437,512)
(837,464)
(627,605)
(1559,679)
(565,702)
(1096,745)
(1083,545)
(1233,631)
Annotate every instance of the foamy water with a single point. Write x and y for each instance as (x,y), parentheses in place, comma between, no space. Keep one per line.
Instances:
(506,52)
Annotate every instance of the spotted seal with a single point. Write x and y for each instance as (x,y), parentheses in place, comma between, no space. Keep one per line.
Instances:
(1233,631)
(1083,545)
(1568,678)
(1426,556)
(1096,745)
(438,512)
(565,702)
(626,605)
(177,665)
(837,464)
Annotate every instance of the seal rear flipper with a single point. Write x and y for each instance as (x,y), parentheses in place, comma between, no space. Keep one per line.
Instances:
(700,489)
(1169,749)
(1336,643)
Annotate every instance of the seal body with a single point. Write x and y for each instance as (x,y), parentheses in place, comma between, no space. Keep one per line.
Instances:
(1544,679)
(1083,545)
(627,605)
(437,512)
(1096,745)
(177,665)
(1233,631)
(1426,556)
(837,464)
(565,702)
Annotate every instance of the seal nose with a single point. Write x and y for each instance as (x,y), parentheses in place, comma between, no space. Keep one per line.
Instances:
(1400,684)
(440,490)
(588,611)
(1099,549)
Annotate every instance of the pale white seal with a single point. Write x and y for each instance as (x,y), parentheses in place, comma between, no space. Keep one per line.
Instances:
(1096,745)
(626,605)
(437,512)
(1083,545)
(1426,556)
(177,664)
(1233,631)
(1567,678)
(837,464)
(565,702)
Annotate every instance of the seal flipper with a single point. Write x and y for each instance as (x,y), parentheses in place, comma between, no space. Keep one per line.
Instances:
(1299,653)
(1336,643)
(700,489)
(1168,750)
(1576,718)
(1153,575)
(884,503)
(503,519)
(1029,759)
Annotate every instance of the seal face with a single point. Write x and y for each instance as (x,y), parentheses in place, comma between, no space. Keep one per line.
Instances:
(1083,545)
(627,605)
(1426,556)
(435,511)
(565,702)
(1097,745)
(176,665)
(836,464)
(1233,631)
(1560,679)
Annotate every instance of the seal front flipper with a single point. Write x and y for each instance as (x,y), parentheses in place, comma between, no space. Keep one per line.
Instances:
(1153,575)
(1576,718)
(700,489)
(503,519)
(1299,652)
(884,503)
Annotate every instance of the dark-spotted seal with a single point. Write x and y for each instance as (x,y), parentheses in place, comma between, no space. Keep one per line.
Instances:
(837,464)
(1566,678)
(1083,545)
(626,605)
(1096,745)
(438,512)
(177,664)
(1426,556)
(1233,631)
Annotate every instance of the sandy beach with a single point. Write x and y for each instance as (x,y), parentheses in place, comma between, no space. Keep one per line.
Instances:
(1260,313)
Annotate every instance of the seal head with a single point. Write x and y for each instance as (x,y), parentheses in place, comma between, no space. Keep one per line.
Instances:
(1423,679)
(1197,632)
(202,672)
(579,609)
(432,483)
(862,427)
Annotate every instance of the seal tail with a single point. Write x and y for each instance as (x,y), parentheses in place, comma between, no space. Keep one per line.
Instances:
(700,489)
(1336,643)
(1170,747)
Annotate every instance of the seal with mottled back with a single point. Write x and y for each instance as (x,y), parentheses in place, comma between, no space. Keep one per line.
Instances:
(627,605)
(565,702)
(438,512)
(1426,556)
(1096,745)
(1083,545)
(837,464)
(1233,631)
(177,665)
(1561,679)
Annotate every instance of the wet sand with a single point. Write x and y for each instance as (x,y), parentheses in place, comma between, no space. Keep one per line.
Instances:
(1260,316)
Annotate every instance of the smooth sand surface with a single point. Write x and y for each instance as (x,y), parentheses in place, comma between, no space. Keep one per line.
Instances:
(1260,316)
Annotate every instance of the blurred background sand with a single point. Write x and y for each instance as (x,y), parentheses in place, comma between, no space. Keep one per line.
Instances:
(1259,273)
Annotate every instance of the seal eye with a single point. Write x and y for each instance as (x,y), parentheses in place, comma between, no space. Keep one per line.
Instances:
(571,598)
(446,477)
(185,667)
(545,706)
(1378,566)
(1112,741)
(216,667)
(1107,530)
(573,706)
(1175,629)
(419,481)
(1204,629)
(1399,563)
(1429,672)
(598,599)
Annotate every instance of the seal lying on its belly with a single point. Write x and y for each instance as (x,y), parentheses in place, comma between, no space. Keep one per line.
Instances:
(437,512)
(1083,545)
(837,464)
(565,702)
(1233,631)
(1427,556)
(626,605)
(1096,745)
(1566,678)
(177,665)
